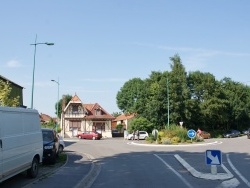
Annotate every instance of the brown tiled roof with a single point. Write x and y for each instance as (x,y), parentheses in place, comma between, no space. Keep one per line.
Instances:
(76,99)
(45,118)
(91,112)
(124,117)
(90,108)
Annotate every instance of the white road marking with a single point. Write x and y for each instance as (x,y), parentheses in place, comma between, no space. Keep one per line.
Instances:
(237,172)
(209,176)
(179,145)
(175,172)
(232,183)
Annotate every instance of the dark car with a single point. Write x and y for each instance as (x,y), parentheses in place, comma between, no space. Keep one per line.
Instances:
(50,145)
(231,134)
(93,135)
(248,133)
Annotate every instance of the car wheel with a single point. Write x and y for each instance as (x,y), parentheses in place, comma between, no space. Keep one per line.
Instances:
(60,150)
(53,160)
(33,171)
(79,137)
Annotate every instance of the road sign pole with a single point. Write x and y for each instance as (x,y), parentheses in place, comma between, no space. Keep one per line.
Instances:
(213,169)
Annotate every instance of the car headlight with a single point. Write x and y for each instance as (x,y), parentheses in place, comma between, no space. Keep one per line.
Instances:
(48,147)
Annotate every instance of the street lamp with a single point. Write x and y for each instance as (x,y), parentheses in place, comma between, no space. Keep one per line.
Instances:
(168,99)
(33,77)
(57,101)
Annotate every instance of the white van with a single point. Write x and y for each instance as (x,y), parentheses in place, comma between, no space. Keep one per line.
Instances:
(21,142)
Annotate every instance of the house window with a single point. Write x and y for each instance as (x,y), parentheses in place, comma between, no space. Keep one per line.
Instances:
(75,109)
(99,127)
(98,112)
(75,125)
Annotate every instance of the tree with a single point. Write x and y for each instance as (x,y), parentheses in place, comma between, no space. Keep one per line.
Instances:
(154,101)
(67,99)
(127,98)
(179,92)
(202,87)
(116,114)
(5,99)
(142,124)
(197,99)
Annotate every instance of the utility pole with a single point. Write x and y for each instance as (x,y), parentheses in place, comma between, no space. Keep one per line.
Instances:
(168,99)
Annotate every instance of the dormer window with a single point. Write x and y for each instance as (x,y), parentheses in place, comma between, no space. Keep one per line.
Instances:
(98,112)
(75,109)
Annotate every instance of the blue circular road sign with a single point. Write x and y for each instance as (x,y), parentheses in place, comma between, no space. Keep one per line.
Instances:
(191,133)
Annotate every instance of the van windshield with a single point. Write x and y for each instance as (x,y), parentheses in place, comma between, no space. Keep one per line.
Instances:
(48,136)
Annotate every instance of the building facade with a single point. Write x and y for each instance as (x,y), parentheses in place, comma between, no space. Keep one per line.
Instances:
(78,117)
(16,90)
(123,119)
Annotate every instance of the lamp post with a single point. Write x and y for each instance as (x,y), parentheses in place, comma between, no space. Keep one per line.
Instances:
(168,99)
(57,104)
(33,77)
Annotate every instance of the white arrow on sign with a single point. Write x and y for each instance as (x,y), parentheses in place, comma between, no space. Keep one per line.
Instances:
(214,159)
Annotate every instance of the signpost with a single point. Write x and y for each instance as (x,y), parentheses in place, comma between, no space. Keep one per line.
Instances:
(213,158)
(191,133)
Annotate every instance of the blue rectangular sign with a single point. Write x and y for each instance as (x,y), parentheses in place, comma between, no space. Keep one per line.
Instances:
(213,157)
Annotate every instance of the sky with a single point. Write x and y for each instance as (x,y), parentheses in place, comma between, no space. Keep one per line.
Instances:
(101,44)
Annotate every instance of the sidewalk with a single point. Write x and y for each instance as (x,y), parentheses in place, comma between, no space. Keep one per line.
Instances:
(75,173)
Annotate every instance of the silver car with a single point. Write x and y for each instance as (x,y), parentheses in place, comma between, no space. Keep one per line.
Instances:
(142,136)
(62,144)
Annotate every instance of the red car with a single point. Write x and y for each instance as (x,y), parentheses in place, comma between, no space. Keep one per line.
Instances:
(89,135)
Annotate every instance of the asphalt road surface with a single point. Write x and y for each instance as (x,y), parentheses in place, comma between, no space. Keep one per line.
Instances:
(122,163)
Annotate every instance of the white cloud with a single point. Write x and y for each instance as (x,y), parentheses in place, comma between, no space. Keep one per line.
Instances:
(13,64)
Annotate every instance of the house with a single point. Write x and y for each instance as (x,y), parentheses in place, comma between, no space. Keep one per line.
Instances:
(44,118)
(123,119)
(79,117)
(16,90)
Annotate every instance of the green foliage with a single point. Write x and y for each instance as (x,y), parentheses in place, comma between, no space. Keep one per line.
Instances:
(150,139)
(5,98)
(140,123)
(116,114)
(129,96)
(51,124)
(196,98)
(173,135)
(166,141)
(67,99)
(119,127)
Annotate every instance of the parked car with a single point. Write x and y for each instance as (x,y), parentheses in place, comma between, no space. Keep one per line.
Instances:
(61,144)
(248,133)
(245,132)
(90,135)
(205,135)
(142,135)
(231,134)
(50,145)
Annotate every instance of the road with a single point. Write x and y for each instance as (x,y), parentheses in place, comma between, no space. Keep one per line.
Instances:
(126,164)
(122,163)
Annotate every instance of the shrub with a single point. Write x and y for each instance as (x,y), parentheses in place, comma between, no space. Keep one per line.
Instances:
(166,141)
(175,139)
(150,139)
